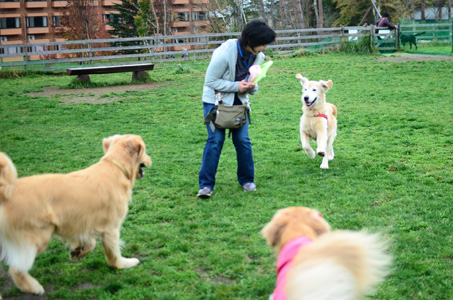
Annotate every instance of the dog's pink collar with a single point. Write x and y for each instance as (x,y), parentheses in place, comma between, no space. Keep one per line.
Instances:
(322,116)
(284,262)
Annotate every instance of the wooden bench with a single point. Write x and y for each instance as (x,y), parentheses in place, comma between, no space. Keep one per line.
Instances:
(138,70)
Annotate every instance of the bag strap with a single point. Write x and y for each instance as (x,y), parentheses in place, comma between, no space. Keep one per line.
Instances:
(210,117)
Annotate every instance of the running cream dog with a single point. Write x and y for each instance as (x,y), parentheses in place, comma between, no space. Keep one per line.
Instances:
(78,207)
(318,120)
(315,263)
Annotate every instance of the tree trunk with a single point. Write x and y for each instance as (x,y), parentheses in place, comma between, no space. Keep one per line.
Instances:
(283,19)
(300,21)
(320,22)
(315,8)
(165,17)
(449,10)
(440,5)
(422,10)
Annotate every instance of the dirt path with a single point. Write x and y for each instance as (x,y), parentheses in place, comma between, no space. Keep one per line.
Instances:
(93,95)
(404,57)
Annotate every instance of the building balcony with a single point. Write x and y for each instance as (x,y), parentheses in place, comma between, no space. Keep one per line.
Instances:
(9,5)
(199,1)
(201,23)
(11,42)
(180,1)
(37,30)
(180,24)
(10,31)
(58,3)
(182,32)
(39,41)
(36,4)
(110,2)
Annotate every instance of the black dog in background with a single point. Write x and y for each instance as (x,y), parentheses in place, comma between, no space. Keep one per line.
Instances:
(410,38)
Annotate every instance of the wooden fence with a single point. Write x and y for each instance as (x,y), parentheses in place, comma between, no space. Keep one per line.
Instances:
(439,32)
(61,55)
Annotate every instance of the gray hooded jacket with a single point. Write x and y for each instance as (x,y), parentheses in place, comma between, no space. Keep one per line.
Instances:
(220,74)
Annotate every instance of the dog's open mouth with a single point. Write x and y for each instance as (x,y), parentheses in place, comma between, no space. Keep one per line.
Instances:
(308,103)
(140,170)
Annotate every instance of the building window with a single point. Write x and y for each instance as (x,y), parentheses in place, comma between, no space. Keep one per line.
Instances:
(8,23)
(35,0)
(199,16)
(9,0)
(33,22)
(183,17)
(56,21)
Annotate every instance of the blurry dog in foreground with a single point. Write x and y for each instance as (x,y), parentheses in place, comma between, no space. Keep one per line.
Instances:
(78,207)
(315,263)
(318,120)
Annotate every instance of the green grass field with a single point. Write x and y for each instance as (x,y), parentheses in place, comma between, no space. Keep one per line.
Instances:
(392,173)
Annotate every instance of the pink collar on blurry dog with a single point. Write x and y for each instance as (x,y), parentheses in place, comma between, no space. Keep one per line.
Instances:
(284,262)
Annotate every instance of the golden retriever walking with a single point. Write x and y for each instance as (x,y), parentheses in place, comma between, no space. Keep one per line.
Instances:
(315,263)
(318,120)
(78,207)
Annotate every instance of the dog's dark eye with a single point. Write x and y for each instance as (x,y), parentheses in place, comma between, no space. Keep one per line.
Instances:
(314,90)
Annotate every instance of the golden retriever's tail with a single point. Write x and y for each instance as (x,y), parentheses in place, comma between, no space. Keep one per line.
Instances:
(8,176)
(15,250)
(342,265)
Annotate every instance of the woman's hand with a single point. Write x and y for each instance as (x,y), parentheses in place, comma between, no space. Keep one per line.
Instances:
(245,86)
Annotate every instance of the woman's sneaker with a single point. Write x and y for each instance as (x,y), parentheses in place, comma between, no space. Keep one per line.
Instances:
(249,187)
(204,192)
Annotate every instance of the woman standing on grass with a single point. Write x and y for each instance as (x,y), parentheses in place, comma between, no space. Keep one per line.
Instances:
(226,75)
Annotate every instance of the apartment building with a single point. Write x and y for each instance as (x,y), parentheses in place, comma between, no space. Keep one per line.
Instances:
(39,21)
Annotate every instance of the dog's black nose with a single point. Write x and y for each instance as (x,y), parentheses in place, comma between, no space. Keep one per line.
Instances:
(306,99)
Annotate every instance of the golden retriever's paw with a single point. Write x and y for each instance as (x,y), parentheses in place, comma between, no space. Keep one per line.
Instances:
(126,263)
(82,251)
(76,253)
(324,165)
(37,288)
(26,283)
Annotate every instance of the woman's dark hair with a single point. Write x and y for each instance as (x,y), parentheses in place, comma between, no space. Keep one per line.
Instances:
(385,14)
(257,33)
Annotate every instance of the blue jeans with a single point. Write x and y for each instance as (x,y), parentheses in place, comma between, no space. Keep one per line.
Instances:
(213,149)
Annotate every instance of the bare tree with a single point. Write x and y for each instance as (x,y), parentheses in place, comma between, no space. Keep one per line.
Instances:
(299,15)
(319,13)
(261,10)
(440,5)
(422,9)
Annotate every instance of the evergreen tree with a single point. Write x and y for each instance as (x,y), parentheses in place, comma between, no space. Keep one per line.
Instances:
(123,22)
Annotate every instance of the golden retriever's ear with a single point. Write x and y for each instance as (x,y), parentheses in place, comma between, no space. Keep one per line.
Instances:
(326,84)
(302,79)
(106,144)
(135,146)
(272,232)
